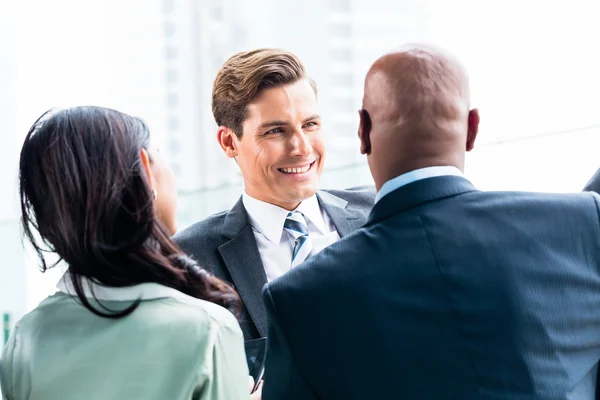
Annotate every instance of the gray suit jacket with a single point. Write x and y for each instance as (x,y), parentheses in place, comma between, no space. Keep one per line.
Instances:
(224,244)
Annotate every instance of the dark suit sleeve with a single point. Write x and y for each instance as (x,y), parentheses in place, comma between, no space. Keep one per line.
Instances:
(596,197)
(594,182)
(283,378)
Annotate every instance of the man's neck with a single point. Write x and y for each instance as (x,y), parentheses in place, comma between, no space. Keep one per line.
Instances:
(414,176)
(289,206)
(412,165)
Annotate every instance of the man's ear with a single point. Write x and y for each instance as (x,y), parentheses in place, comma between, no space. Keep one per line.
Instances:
(146,166)
(364,131)
(473,128)
(228,141)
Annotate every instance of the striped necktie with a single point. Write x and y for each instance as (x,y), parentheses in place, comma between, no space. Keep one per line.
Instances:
(295,225)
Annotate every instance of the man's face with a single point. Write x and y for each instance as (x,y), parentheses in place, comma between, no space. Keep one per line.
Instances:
(282,149)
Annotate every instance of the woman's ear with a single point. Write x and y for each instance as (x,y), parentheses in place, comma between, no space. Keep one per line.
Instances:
(146,166)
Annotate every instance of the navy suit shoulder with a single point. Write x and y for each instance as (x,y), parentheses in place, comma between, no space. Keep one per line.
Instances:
(306,277)
(309,276)
(358,197)
(459,293)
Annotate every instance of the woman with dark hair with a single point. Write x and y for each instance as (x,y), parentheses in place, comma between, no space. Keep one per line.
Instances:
(134,318)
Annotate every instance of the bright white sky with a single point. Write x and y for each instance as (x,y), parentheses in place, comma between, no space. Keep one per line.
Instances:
(534,67)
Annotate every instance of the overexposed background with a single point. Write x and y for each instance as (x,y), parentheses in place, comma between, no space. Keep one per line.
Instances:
(534,68)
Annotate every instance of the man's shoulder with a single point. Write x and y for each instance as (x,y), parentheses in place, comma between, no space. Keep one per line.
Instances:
(208,227)
(535,199)
(359,195)
(549,210)
(201,239)
(333,263)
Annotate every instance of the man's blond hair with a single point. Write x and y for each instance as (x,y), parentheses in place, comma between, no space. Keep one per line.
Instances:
(244,76)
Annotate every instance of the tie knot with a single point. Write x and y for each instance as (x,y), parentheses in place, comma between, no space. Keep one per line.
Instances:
(295,224)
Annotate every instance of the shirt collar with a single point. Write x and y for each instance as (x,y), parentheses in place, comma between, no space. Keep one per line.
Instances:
(142,291)
(268,218)
(312,211)
(415,175)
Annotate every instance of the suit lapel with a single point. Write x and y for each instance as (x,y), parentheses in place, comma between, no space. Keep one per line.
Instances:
(242,258)
(244,264)
(346,220)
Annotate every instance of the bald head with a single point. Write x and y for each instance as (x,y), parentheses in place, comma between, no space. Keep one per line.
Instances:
(417,84)
(416,112)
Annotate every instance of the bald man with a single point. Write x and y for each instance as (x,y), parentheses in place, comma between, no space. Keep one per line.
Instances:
(446,292)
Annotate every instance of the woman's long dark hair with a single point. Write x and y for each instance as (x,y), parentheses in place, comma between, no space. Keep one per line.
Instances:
(85,196)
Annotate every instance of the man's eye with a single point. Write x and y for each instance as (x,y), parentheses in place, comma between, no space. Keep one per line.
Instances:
(310,124)
(275,130)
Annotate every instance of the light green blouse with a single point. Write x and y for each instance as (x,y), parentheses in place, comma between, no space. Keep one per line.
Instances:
(172,347)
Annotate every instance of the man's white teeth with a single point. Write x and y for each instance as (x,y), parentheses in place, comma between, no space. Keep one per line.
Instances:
(295,170)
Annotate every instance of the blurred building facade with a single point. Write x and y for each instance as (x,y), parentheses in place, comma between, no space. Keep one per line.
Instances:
(200,36)
(157,59)
(13,274)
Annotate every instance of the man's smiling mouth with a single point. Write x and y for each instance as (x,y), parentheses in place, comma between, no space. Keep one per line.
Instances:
(296,170)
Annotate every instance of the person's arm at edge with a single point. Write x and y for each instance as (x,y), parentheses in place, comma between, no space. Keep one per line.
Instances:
(6,367)
(228,378)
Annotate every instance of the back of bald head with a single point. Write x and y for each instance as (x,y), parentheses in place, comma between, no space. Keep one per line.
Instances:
(422,86)
(416,113)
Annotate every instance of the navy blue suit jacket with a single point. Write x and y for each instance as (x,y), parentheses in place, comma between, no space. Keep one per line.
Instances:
(446,293)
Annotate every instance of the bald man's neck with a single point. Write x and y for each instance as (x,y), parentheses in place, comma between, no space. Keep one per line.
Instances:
(401,153)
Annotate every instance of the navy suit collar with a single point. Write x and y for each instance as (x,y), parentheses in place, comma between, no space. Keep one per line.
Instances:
(417,193)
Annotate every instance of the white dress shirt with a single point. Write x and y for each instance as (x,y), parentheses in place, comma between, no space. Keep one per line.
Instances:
(415,175)
(274,244)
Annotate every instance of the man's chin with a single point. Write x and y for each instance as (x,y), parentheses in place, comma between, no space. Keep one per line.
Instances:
(299,196)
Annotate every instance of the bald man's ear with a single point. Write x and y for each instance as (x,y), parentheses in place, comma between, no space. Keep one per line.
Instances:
(473,128)
(364,132)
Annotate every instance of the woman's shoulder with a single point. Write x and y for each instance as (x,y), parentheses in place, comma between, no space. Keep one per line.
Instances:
(165,311)
(180,318)
(192,308)
(170,327)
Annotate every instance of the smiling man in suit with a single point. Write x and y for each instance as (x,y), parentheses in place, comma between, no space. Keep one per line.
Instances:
(266,109)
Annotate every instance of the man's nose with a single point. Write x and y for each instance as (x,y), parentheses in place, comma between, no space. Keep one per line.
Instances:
(301,144)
